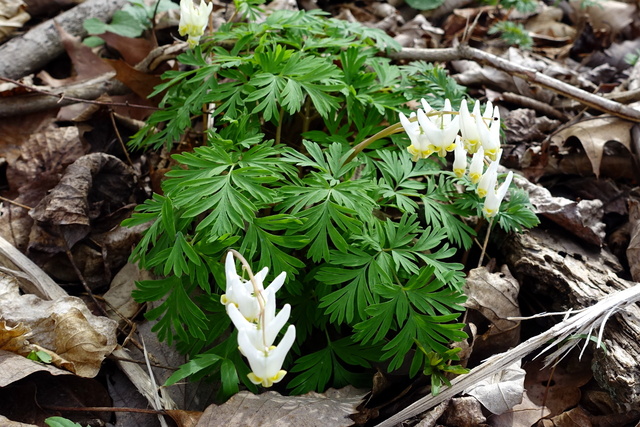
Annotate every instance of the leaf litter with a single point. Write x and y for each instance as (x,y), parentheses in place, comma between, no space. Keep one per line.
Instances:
(55,162)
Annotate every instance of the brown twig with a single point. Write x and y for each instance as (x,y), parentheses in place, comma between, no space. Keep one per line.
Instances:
(102,409)
(85,92)
(4,199)
(529,74)
(534,104)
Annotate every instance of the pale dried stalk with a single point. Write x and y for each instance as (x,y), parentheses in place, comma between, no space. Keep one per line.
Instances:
(584,321)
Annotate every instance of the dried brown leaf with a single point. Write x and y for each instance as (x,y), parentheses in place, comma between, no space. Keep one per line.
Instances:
(495,296)
(558,388)
(331,408)
(133,50)
(524,414)
(464,412)
(77,340)
(594,134)
(12,17)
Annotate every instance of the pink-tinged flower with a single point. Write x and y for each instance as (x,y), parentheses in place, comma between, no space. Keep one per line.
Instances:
(266,363)
(494,198)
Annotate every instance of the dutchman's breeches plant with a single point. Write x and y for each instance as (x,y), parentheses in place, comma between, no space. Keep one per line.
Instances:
(357,211)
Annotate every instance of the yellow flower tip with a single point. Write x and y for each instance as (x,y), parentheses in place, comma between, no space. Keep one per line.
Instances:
(417,153)
(459,172)
(489,212)
(475,177)
(482,192)
(491,153)
(267,382)
(451,147)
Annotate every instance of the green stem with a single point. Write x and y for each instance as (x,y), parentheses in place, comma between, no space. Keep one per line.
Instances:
(279,128)
(486,241)
(382,134)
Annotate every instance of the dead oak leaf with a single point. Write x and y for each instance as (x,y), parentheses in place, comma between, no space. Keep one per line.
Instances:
(331,408)
(76,339)
(594,134)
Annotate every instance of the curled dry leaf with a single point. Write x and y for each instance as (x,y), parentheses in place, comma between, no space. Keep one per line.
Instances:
(331,408)
(558,388)
(12,17)
(464,411)
(77,340)
(502,391)
(93,195)
(594,134)
(583,218)
(495,296)
(524,414)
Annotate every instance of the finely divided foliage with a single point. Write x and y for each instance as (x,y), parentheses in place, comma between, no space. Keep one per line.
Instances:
(368,242)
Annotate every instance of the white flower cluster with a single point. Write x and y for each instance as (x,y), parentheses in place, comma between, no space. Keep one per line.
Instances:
(252,309)
(465,134)
(194,20)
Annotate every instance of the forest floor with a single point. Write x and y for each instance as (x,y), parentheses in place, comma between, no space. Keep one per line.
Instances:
(569,105)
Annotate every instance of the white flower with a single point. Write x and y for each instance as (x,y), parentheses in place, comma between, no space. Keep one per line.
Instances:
(459,159)
(241,293)
(488,180)
(491,142)
(474,128)
(494,198)
(440,129)
(266,363)
(477,165)
(261,334)
(419,147)
(194,20)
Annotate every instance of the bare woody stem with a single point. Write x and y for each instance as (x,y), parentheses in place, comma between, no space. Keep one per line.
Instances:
(256,290)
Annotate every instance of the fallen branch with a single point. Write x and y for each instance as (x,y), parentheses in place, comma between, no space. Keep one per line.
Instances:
(529,74)
(41,44)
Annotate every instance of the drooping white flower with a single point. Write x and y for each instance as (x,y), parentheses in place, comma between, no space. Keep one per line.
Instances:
(266,363)
(459,159)
(488,180)
(241,292)
(419,147)
(263,333)
(477,166)
(194,20)
(474,128)
(494,198)
(440,129)
(491,142)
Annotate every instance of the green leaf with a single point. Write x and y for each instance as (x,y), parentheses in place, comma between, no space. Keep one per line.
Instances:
(198,363)
(425,4)
(60,422)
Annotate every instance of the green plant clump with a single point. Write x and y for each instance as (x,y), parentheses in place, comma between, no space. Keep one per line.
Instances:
(368,241)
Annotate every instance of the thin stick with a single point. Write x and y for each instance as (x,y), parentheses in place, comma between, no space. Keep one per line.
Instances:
(15,203)
(529,74)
